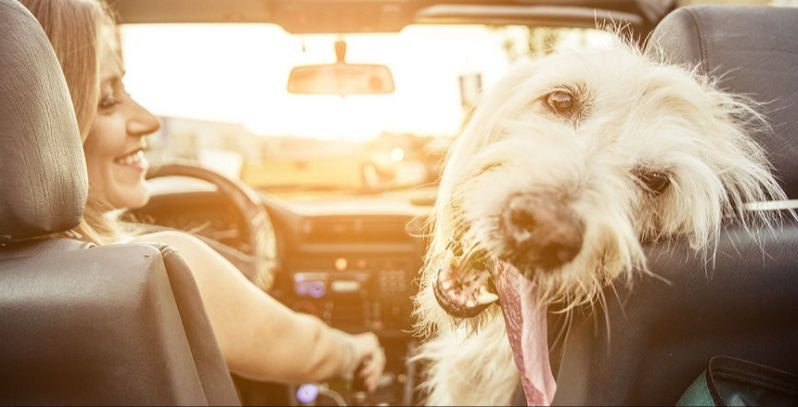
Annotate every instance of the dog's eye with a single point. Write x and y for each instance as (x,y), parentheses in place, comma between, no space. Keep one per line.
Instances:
(655,182)
(488,167)
(561,102)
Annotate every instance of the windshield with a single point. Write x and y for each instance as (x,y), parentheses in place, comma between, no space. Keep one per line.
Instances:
(221,92)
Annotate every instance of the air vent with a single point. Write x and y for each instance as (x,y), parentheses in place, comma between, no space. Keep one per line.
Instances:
(355,229)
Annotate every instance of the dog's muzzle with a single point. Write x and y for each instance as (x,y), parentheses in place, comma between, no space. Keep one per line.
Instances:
(540,232)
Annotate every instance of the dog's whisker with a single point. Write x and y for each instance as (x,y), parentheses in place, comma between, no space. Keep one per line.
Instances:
(602,301)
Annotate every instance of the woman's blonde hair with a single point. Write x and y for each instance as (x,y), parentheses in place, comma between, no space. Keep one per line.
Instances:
(77,29)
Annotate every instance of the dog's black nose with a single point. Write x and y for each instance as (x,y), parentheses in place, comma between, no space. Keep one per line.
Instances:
(541,233)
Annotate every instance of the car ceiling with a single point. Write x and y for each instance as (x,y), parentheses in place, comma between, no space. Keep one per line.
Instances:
(351,16)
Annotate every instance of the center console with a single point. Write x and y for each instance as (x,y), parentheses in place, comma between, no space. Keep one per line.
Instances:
(357,273)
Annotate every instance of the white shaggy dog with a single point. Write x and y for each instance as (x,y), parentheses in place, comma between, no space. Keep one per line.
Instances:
(565,167)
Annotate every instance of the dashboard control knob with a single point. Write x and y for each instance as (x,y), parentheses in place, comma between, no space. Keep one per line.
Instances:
(307,393)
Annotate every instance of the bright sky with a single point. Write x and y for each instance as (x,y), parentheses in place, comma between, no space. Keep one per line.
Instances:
(238,73)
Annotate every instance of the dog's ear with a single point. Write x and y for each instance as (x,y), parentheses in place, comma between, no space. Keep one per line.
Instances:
(721,170)
(741,163)
(428,315)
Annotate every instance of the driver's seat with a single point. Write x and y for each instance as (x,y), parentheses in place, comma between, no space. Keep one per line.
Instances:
(119,324)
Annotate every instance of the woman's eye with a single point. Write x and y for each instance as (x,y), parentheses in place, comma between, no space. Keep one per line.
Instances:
(561,102)
(656,182)
(107,101)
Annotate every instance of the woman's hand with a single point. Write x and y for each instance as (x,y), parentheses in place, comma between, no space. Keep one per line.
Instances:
(370,357)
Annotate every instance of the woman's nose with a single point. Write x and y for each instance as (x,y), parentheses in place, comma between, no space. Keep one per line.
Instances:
(142,122)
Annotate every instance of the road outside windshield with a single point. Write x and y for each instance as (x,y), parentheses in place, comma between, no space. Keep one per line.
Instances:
(221,93)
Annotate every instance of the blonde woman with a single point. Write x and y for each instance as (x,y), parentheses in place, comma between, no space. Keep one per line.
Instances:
(259,337)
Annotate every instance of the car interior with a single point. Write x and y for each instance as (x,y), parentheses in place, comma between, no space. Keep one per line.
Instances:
(124,323)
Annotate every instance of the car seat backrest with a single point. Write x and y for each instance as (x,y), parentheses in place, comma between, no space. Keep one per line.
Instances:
(118,324)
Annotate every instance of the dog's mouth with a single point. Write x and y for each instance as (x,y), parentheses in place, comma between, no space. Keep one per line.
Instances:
(463,286)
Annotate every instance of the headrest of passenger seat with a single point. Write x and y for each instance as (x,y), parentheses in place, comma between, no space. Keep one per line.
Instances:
(43,171)
(754,52)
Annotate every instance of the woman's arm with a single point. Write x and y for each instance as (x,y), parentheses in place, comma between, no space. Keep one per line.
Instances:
(260,338)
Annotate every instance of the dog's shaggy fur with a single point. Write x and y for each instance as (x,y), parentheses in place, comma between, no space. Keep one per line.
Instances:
(632,122)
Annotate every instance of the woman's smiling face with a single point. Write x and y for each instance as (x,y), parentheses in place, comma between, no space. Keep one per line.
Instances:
(114,146)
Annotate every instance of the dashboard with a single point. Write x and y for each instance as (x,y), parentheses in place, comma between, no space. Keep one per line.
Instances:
(352,262)
(349,263)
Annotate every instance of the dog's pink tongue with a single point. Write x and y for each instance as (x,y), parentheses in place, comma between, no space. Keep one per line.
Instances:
(526,329)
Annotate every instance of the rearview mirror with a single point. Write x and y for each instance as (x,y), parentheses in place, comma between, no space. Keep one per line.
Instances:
(341,79)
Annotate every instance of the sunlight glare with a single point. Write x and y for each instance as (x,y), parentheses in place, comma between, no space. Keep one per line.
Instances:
(238,73)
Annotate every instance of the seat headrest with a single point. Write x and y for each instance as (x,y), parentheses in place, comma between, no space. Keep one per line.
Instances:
(44,181)
(753,52)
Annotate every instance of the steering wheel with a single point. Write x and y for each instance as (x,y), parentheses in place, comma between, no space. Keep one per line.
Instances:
(260,265)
